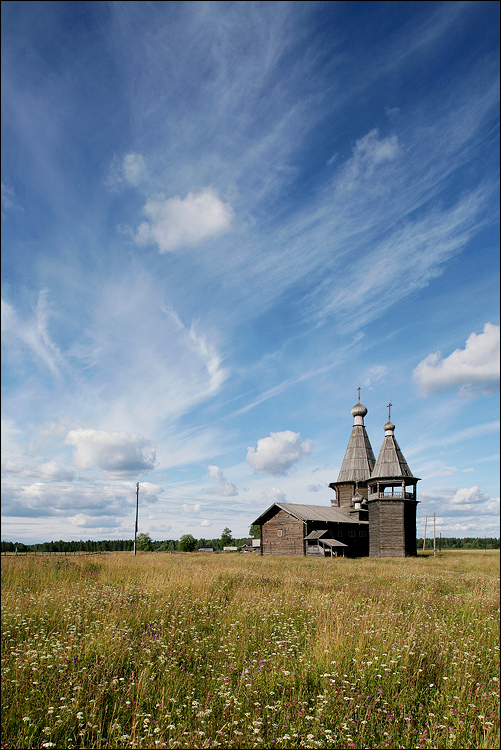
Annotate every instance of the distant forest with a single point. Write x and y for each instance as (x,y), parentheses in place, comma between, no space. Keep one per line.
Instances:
(115,545)
(174,545)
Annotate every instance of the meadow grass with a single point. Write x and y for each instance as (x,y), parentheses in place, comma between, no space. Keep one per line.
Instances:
(240,651)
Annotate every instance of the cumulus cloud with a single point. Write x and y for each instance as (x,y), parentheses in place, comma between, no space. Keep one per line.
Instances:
(278,453)
(224,487)
(476,367)
(206,522)
(467,497)
(185,222)
(112,451)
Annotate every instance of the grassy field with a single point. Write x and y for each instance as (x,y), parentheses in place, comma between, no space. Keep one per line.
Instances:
(239,651)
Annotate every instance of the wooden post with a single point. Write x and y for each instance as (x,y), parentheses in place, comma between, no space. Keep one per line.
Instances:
(137,514)
(434,543)
(424,540)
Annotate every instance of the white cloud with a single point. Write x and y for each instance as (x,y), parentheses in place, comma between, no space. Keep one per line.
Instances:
(278,453)
(56,472)
(274,495)
(468,497)
(7,199)
(369,153)
(206,522)
(474,367)
(458,503)
(112,451)
(177,222)
(392,113)
(224,487)
(318,487)
(32,333)
(191,508)
(129,170)
(134,169)
(374,375)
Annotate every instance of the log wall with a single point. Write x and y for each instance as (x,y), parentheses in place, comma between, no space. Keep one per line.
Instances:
(387,528)
(344,494)
(290,542)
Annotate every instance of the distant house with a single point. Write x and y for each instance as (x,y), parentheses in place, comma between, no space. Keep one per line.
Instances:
(230,549)
(205,549)
(373,512)
(251,545)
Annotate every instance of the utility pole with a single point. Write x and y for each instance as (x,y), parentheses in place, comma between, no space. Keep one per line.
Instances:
(424,540)
(434,542)
(137,513)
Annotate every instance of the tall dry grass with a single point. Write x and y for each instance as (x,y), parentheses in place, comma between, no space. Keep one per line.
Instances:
(238,651)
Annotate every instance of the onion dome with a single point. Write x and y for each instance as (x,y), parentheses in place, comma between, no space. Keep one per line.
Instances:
(389,427)
(359,410)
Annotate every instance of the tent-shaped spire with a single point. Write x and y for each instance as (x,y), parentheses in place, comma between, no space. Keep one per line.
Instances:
(390,462)
(359,458)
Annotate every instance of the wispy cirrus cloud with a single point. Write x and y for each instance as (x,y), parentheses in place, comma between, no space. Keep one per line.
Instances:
(31,334)
(128,170)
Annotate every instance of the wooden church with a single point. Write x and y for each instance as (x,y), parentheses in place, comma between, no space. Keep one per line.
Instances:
(373,511)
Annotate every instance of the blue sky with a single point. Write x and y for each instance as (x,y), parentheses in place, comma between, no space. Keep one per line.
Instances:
(219,220)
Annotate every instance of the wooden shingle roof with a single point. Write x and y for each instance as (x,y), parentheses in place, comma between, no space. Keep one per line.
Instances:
(359,458)
(310,513)
(390,463)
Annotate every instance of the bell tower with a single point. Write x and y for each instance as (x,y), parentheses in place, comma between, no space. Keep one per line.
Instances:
(392,501)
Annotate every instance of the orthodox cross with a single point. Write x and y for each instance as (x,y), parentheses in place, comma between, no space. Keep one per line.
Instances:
(358,389)
(389,407)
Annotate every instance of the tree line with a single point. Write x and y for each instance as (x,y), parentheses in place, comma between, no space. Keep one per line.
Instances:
(453,542)
(187,543)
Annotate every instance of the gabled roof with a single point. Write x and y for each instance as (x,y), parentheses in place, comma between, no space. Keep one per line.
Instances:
(359,459)
(310,513)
